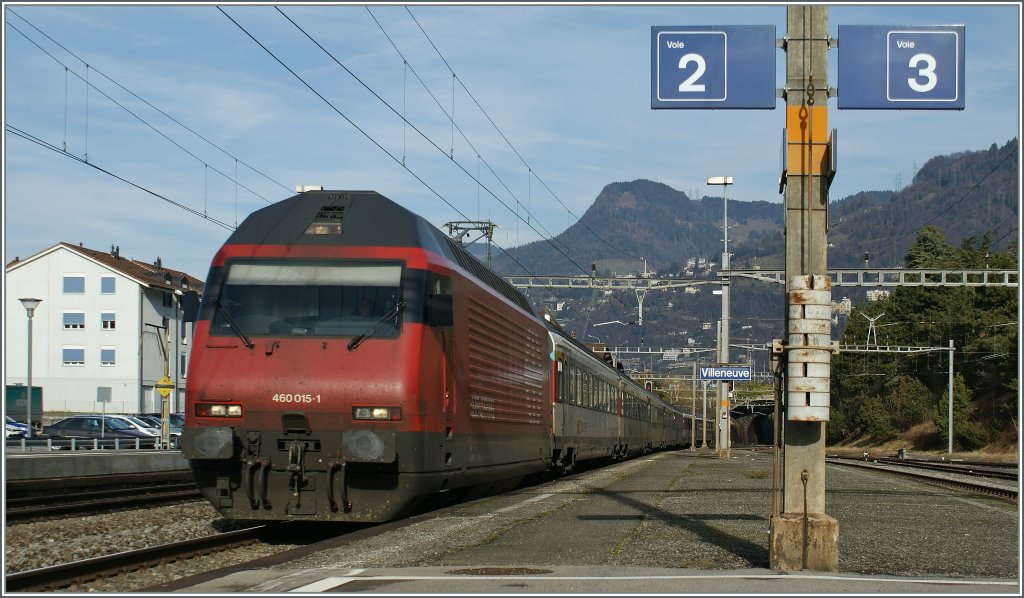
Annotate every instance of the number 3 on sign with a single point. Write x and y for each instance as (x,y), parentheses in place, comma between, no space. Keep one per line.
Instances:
(928,72)
(690,85)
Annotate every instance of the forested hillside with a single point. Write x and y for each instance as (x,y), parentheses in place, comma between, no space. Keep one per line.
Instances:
(877,396)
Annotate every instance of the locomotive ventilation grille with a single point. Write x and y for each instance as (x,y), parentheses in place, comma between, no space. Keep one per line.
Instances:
(328,221)
(506,368)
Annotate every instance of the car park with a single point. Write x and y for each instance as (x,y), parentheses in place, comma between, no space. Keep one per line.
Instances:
(14,428)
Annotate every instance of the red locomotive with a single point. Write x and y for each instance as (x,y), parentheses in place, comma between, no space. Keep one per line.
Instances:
(350,361)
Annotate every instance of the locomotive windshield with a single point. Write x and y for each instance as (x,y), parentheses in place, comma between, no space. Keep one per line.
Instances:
(308,299)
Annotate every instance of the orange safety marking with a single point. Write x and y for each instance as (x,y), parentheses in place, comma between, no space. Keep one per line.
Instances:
(806,125)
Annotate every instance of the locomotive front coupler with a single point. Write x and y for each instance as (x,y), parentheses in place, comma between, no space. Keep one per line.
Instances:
(297,467)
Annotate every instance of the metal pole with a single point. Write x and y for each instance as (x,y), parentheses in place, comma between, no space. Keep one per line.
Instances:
(723,387)
(950,447)
(693,408)
(30,305)
(28,395)
(704,427)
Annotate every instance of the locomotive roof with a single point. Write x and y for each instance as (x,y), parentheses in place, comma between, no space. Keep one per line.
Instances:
(364,218)
(360,218)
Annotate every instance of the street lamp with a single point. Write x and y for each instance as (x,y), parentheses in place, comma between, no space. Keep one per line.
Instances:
(30,309)
(723,347)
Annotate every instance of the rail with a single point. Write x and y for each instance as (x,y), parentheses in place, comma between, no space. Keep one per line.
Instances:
(59,505)
(77,572)
(960,480)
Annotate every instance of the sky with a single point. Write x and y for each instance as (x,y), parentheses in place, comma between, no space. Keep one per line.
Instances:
(183,122)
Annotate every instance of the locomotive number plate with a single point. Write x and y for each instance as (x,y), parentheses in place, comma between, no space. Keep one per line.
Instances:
(287,397)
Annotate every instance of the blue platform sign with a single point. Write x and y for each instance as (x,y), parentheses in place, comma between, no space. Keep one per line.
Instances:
(919,67)
(713,66)
(725,372)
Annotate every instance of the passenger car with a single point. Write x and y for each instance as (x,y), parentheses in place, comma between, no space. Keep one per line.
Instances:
(174,431)
(95,426)
(145,426)
(177,420)
(14,428)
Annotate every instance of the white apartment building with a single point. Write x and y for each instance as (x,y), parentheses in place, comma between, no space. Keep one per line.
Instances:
(107,330)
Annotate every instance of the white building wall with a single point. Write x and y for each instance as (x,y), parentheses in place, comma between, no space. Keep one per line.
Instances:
(139,360)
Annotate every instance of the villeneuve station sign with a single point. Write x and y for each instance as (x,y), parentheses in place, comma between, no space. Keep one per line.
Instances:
(726,372)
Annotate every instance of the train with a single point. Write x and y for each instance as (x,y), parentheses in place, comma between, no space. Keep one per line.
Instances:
(351,361)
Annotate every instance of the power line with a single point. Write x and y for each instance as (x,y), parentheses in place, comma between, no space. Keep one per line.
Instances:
(27,136)
(143,100)
(375,94)
(503,136)
(351,122)
(964,196)
(451,118)
(405,62)
(126,109)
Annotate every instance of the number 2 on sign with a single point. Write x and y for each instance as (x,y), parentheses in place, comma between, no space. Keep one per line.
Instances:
(690,84)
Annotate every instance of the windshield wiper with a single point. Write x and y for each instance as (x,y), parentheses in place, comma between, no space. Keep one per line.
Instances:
(232,323)
(352,344)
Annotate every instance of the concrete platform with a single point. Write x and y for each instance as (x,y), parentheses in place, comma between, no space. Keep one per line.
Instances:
(26,466)
(585,580)
(669,523)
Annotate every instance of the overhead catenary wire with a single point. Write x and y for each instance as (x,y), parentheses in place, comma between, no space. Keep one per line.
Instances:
(507,141)
(408,67)
(396,112)
(1008,155)
(27,136)
(370,137)
(140,98)
(455,127)
(136,116)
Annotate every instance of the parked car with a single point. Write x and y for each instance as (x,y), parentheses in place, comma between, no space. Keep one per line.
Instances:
(177,419)
(156,422)
(14,428)
(95,426)
(138,423)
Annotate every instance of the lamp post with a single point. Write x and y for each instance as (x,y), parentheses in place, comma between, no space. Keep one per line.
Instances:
(723,347)
(30,309)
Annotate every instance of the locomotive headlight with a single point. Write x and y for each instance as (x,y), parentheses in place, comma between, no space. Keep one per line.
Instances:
(218,410)
(377,413)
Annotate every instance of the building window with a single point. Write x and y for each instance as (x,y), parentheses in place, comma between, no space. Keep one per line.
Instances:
(74,284)
(108,356)
(108,285)
(184,362)
(167,300)
(74,320)
(74,355)
(108,320)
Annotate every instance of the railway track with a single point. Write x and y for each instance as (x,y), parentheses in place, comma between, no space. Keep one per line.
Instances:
(976,469)
(67,575)
(989,480)
(58,505)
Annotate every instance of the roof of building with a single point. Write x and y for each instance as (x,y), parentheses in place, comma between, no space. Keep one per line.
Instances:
(153,275)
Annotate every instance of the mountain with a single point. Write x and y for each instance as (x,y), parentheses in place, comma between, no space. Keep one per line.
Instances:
(963,194)
(966,194)
(642,219)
